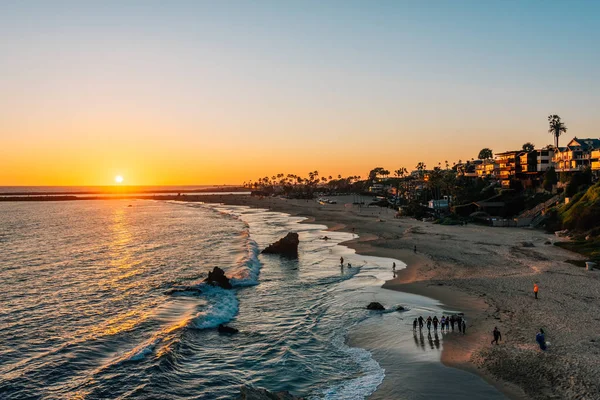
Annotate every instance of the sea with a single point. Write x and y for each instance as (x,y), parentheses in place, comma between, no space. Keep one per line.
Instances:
(104,299)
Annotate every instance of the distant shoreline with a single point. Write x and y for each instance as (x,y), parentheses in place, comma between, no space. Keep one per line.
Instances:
(157,195)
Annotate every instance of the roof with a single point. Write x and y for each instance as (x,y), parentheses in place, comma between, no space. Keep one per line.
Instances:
(586,144)
(508,153)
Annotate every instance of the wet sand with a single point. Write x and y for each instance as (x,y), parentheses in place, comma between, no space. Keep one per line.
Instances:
(488,273)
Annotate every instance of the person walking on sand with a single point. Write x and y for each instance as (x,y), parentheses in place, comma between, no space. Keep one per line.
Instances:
(535,290)
(429,324)
(459,322)
(435,322)
(394,266)
(421,322)
(448,324)
(540,338)
(415,249)
(464,326)
(497,335)
(452,321)
(415,324)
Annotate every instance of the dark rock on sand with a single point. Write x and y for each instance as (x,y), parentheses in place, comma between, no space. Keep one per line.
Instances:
(217,278)
(375,306)
(249,393)
(527,244)
(287,246)
(226,329)
(400,308)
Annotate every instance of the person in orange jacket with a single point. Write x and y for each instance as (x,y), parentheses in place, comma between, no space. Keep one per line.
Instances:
(535,289)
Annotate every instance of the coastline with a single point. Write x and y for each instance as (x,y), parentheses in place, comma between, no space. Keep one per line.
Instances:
(488,273)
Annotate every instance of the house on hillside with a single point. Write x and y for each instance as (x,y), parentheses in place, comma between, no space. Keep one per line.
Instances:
(576,155)
(508,167)
(486,168)
(595,158)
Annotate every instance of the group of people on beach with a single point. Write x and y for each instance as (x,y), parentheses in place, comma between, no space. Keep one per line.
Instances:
(446,323)
(540,337)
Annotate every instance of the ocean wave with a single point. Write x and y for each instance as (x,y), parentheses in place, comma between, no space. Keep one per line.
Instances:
(360,387)
(223,306)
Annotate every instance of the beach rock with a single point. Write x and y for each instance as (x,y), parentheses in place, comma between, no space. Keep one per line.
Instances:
(249,393)
(400,308)
(217,278)
(287,246)
(527,244)
(375,306)
(226,329)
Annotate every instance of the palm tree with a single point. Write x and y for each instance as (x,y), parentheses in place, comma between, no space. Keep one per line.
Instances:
(556,127)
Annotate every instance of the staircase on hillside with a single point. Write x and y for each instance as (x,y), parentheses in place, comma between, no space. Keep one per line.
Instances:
(533,217)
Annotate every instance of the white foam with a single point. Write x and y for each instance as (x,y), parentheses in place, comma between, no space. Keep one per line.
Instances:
(359,387)
(222,306)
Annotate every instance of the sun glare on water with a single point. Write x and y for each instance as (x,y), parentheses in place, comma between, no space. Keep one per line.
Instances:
(118,179)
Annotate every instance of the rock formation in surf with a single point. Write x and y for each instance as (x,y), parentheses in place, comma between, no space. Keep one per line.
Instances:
(288,246)
(249,393)
(375,306)
(217,278)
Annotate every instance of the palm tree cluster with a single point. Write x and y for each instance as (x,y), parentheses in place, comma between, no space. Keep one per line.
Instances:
(298,186)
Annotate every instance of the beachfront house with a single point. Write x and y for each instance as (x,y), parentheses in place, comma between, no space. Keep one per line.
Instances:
(486,169)
(576,155)
(508,167)
(595,158)
(544,159)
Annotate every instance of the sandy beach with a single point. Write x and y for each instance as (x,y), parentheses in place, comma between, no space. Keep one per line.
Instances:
(489,274)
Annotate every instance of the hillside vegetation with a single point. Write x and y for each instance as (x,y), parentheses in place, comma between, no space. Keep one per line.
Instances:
(582,217)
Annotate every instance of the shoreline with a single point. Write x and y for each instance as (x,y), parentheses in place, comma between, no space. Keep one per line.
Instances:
(489,273)
(406,282)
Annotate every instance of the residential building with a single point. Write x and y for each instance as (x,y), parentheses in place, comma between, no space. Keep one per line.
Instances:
(508,167)
(576,156)
(595,158)
(527,163)
(544,159)
(486,168)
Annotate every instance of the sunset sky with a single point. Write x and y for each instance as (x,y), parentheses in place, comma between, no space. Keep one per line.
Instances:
(193,92)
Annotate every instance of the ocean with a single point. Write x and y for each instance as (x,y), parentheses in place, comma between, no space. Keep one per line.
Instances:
(104,300)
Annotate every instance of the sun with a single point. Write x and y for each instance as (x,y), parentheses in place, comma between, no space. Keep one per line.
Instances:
(118,179)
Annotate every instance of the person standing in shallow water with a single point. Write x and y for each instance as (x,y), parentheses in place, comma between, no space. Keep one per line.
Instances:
(535,290)
(442,323)
(342,260)
(452,322)
(429,324)
(459,322)
(435,323)
(497,335)
(415,324)
(421,322)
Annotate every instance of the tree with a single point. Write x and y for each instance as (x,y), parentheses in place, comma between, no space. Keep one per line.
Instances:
(485,154)
(556,127)
(528,147)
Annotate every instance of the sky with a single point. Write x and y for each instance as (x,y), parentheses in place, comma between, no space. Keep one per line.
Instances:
(220,92)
